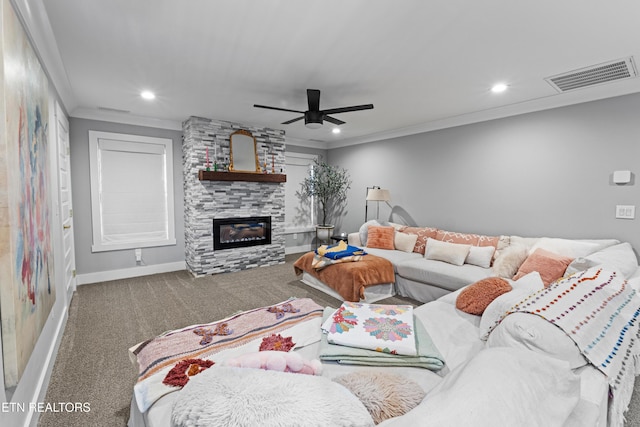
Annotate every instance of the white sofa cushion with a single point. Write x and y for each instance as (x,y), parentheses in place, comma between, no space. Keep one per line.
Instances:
(396,257)
(452,253)
(404,242)
(532,332)
(480,256)
(568,247)
(522,288)
(441,274)
(499,387)
(618,258)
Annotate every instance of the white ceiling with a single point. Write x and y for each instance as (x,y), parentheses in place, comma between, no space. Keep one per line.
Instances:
(423,64)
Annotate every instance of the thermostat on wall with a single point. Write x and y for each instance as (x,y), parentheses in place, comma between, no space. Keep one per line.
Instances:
(621,177)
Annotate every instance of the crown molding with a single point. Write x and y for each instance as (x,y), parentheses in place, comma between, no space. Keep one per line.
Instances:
(610,90)
(321,145)
(125,118)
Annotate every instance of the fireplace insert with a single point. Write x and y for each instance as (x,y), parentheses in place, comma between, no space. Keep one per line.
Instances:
(229,233)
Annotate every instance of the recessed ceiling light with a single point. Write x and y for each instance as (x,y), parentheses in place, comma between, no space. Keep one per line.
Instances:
(147,94)
(336,130)
(499,87)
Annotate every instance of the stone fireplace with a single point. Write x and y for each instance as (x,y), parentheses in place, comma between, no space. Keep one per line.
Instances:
(229,202)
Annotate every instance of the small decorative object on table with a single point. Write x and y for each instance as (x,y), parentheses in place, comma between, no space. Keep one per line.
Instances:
(342,237)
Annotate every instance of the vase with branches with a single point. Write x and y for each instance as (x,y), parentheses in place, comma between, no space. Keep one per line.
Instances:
(328,185)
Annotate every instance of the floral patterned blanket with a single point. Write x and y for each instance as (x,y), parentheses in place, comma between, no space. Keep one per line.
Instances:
(379,327)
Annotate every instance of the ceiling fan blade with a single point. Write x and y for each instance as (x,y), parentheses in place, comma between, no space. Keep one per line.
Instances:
(333,120)
(313,98)
(277,108)
(347,109)
(293,120)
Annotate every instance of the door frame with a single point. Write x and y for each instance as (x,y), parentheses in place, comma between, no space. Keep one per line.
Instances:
(69,286)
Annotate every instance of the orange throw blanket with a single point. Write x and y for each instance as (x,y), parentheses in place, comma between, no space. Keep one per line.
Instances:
(349,278)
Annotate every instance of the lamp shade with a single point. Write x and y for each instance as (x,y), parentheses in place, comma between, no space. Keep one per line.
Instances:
(378,195)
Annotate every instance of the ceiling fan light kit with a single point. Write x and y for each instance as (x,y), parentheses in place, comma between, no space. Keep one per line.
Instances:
(314,117)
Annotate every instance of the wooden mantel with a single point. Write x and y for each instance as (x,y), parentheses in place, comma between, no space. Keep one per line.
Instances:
(241,176)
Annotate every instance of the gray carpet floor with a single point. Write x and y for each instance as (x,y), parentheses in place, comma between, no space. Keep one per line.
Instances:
(105,319)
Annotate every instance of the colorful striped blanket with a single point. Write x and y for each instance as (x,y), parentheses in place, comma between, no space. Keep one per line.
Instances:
(242,333)
(599,310)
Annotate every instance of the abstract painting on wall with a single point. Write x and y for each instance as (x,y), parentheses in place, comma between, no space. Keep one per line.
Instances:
(27,291)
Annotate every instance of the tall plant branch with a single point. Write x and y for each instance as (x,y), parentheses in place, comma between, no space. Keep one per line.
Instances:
(328,185)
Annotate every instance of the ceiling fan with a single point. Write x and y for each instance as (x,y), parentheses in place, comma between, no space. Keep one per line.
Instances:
(314,116)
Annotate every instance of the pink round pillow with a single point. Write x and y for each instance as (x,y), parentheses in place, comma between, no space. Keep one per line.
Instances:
(477,296)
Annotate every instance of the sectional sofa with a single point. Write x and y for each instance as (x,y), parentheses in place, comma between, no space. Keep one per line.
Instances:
(430,263)
(562,354)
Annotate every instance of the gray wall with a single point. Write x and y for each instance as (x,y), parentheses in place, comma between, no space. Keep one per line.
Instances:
(86,261)
(547,173)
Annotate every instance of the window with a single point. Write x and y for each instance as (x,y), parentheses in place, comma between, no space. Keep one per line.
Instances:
(131,191)
(299,216)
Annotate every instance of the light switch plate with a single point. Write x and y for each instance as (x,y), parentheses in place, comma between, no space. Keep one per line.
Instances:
(622,177)
(625,211)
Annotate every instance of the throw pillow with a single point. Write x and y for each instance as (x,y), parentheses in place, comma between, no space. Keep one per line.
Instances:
(451,253)
(423,234)
(384,395)
(551,266)
(475,298)
(480,256)
(380,237)
(364,231)
(404,242)
(467,239)
(509,261)
(253,397)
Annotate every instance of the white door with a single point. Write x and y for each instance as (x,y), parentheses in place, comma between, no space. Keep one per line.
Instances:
(64,195)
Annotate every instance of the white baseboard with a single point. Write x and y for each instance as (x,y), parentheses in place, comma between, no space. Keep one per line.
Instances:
(125,273)
(45,375)
(297,249)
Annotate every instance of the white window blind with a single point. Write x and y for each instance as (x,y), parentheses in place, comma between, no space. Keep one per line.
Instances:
(131,191)
(298,215)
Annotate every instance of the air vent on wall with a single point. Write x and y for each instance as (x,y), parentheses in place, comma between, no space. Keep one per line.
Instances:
(597,74)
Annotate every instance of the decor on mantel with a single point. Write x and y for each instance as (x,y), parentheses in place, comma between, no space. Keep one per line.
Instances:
(328,186)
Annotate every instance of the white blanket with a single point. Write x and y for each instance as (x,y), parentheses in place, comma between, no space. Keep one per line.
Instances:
(599,311)
(379,327)
(499,387)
